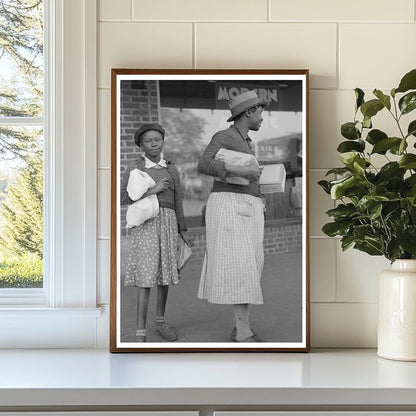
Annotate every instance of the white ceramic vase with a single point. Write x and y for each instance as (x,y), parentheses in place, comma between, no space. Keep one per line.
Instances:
(397,312)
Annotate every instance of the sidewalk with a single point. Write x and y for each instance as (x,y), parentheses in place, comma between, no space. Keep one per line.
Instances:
(277,320)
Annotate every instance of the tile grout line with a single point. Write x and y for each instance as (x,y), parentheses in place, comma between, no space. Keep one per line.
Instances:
(338,63)
(194,62)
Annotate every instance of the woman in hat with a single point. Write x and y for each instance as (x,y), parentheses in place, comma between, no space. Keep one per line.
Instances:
(152,259)
(234,220)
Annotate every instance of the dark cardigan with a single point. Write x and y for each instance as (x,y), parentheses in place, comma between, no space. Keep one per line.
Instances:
(178,194)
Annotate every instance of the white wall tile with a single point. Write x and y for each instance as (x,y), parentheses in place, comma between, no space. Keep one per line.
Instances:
(104,202)
(142,45)
(103,271)
(114,10)
(272,45)
(342,10)
(200,10)
(376,55)
(104,129)
(323,269)
(347,325)
(319,203)
(357,275)
(328,111)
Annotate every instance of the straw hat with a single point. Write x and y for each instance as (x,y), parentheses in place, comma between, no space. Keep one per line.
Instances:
(243,102)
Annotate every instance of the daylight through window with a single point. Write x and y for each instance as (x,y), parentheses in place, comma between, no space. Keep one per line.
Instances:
(21,143)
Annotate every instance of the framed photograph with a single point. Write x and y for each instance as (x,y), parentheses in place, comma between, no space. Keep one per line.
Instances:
(209,211)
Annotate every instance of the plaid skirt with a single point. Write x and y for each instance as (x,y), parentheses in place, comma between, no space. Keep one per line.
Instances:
(234,256)
(153,250)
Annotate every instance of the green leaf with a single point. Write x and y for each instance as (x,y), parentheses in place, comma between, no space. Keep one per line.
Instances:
(359,94)
(383,145)
(342,211)
(348,158)
(367,122)
(336,228)
(408,161)
(368,248)
(349,131)
(338,171)
(371,108)
(346,242)
(408,82)
(398,149)
(375,136)
(349,146)
(407,240)
(411,130)
(338,189)
(375,211)
(369,201)
(408,102)
(325,186)
(360,231)
(391,170)
(385,99)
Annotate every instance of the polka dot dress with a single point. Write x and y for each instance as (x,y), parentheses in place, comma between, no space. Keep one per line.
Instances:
(152,255)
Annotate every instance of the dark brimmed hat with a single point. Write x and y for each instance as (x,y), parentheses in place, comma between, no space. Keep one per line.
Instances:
(147,127)
(243,102)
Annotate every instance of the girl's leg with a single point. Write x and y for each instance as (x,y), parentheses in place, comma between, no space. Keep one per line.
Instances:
(162,297)
(242,322)
(161,328)
(142,305)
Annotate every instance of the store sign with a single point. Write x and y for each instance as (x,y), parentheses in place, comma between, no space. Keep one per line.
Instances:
(224,92)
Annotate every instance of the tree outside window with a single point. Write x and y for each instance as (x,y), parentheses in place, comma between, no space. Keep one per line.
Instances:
(21,143)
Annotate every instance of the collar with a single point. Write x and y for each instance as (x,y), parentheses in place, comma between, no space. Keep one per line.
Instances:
(245,138)
(149,164)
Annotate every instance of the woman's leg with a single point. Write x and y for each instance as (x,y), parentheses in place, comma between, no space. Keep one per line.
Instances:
(242,322)
(161,328)
(142,306)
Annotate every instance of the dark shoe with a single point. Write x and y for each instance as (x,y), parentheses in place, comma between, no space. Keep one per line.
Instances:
(234,336)
(166,333)
(140,338)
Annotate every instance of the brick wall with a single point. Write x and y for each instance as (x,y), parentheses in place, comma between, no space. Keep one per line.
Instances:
(138,105)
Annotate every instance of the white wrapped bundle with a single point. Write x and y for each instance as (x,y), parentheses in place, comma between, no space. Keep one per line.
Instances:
(234,158)
(143,209)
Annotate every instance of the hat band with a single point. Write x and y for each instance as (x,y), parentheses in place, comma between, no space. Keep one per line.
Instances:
(239,108)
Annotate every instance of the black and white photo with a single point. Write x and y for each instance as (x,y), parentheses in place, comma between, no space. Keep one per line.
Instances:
(209,242)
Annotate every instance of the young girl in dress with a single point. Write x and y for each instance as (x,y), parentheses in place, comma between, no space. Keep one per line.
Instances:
(152,259)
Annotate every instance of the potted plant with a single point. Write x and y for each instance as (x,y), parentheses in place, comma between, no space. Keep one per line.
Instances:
(376,206)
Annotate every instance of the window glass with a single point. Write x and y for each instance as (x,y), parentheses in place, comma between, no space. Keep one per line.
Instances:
(21,143)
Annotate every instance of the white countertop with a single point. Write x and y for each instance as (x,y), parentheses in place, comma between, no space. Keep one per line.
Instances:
(96,377)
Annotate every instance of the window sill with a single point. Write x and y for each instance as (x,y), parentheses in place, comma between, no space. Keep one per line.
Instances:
(39,327)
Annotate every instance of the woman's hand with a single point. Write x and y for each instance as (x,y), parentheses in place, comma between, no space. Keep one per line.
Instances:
(187,238)
(161,186)
(252,172)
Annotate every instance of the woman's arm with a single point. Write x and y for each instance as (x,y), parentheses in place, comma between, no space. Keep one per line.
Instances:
(178,193)
(208,164)
(159,187)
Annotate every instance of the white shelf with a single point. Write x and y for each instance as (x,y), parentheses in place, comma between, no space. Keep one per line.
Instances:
(323,378)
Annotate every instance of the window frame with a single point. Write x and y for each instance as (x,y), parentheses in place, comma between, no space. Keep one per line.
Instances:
(68,299)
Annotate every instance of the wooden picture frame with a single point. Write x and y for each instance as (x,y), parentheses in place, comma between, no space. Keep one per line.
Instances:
(192,105)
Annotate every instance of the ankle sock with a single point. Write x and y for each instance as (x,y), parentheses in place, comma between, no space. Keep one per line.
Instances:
(159,320)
